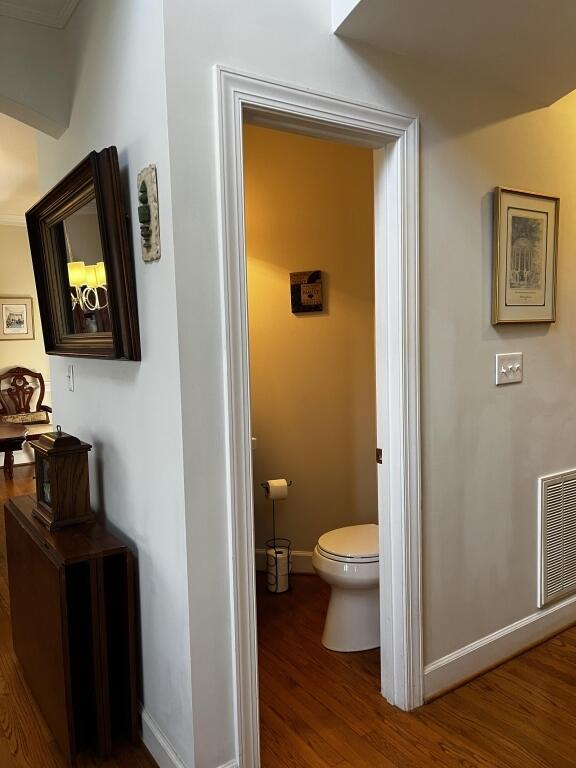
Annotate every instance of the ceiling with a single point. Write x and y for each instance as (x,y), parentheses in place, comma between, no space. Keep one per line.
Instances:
(524,45)
(50,13)
(19,175)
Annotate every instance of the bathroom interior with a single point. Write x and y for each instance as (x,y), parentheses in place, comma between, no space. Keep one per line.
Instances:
(309,208)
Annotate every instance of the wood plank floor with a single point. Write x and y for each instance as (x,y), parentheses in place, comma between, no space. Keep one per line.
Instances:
(25,741)
(322,709)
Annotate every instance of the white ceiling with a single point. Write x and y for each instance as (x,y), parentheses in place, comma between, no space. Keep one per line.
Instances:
(50,13)
(525,45)
(18,170)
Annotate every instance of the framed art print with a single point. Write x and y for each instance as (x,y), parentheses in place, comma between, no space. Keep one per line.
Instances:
(525,257)
(16,317)
(306,291)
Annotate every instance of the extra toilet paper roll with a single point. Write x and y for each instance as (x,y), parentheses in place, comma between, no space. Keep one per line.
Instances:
(277,489)
(278,567)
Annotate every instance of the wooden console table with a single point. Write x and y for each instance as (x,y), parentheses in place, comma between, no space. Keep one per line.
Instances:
(72,613)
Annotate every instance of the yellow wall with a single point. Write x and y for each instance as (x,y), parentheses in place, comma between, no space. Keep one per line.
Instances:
(17,279)
(309,205)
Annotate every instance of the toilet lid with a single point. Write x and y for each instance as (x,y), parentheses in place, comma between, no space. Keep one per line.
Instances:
(357,542)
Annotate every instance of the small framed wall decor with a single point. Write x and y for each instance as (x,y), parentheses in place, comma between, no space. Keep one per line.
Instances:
(525,257)
(306,291)
(16,317)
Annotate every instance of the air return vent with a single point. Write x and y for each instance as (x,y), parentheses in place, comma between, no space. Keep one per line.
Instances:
(557,506)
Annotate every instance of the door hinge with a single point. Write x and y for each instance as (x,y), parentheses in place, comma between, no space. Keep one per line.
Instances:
(379,455)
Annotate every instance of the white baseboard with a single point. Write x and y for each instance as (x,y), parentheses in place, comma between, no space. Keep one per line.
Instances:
(461,665)
(301,561)
(160,748)
(158,745)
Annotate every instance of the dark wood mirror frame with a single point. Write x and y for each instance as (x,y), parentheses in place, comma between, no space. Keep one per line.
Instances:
(97,178)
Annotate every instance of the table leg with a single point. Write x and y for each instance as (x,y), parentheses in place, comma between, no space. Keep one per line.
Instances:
(9,465)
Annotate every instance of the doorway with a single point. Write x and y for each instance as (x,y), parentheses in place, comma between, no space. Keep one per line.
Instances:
(309,229)
(309,217)
(394,141)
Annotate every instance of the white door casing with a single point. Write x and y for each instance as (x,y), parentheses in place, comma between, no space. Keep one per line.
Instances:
(394,138)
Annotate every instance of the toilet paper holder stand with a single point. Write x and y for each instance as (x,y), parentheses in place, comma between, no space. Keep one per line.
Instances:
(266,486)
(277,545)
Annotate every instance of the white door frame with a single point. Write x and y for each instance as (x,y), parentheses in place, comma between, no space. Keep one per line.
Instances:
(242,97)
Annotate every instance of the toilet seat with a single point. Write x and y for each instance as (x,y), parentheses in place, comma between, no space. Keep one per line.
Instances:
(352,544)
(347,559)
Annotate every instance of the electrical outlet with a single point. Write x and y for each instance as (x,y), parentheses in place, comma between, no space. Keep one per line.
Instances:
(509,368)
(70,377)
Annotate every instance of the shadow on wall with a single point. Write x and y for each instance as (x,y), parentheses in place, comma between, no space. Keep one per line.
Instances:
(475,103)
(97,481)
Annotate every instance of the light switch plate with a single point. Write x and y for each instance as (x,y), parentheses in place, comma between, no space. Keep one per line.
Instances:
(509,368)
(70,377)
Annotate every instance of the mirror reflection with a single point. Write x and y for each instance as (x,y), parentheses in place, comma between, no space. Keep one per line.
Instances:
(83,265)
(86,272)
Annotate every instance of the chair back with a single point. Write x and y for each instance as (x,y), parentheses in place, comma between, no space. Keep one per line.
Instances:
(21,396)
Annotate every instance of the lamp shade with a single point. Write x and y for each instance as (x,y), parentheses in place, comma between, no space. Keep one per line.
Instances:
(101,273)
(76,276)
(90,277)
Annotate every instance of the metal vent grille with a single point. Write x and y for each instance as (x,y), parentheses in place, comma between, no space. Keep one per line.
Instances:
(557,506)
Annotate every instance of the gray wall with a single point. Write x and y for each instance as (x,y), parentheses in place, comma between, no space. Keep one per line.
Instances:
(483,448)
(130,411)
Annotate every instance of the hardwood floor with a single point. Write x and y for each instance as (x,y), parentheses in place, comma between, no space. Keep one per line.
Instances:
(25,741)
(319,708)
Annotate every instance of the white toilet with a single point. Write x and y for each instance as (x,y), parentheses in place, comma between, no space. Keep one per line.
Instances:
(347,558)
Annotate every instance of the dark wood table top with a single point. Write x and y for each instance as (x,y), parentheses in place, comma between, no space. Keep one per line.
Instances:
(72,544)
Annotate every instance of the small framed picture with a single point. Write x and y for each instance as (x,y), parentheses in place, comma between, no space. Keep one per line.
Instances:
(17,318)
(525,257)
(306,291)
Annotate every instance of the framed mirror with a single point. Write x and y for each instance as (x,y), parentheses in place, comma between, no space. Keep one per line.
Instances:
(83,264)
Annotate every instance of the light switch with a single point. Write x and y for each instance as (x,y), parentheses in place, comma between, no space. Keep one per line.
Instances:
(509,368)
(70,377)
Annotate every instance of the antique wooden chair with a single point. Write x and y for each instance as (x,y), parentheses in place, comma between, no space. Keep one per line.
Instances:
(21,405)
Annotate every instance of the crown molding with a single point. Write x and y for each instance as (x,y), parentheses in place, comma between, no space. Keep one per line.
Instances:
(12,220)
(56,19)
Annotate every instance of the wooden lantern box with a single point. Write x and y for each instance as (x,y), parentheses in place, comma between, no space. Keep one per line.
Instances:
(62,485)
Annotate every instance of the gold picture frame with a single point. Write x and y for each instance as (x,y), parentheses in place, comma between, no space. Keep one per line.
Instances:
(16,318)
(525,257)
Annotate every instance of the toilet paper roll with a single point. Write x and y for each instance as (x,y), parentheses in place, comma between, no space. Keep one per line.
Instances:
(277,489)
(278,567)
